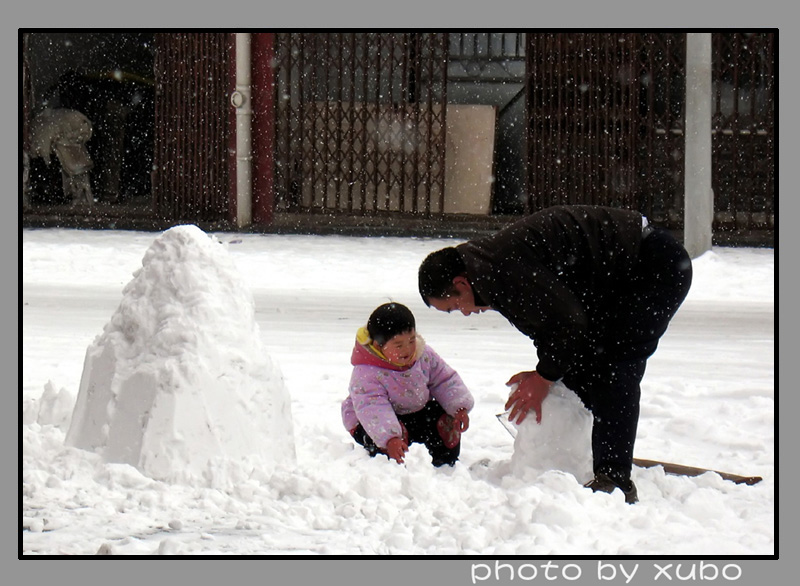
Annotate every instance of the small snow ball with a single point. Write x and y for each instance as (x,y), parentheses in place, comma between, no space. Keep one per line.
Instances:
(562,441)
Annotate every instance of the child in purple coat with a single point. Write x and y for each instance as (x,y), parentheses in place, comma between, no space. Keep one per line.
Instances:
(402,392)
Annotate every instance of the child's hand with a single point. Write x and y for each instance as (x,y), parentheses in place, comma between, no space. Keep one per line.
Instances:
(396,449)
(461,422)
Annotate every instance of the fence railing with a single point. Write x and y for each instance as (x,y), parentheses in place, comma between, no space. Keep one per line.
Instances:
(191,178)
(360,122)
(606,124)
(743,130)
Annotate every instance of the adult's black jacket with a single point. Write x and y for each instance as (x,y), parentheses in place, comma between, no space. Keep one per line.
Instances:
(558,276)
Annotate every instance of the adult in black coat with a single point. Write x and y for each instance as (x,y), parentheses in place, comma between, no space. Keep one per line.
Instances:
(595,289)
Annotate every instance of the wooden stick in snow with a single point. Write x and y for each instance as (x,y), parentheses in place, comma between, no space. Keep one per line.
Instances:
(679,469)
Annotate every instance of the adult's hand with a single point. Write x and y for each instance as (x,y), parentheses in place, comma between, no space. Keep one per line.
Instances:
(529,394)
(461,422)
(396,449)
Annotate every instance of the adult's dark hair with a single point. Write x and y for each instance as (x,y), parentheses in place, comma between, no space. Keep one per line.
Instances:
(436,274)
(388,320)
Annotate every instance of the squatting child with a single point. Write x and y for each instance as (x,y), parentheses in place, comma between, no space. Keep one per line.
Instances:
(402,392)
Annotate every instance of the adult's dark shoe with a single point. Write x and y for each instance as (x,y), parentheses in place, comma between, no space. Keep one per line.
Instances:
(602,483)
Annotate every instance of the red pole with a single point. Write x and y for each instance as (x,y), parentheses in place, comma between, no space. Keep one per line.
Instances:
(263,130)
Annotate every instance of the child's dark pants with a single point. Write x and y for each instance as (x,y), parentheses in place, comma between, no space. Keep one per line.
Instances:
(422,429)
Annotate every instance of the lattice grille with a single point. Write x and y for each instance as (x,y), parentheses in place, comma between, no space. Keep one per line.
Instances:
(743,127)
(360,122)
(582,97)
(191,176)
(662,107)
(606,124)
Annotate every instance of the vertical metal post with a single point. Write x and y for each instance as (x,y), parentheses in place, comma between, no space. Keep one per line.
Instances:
(698,212)
(241,100)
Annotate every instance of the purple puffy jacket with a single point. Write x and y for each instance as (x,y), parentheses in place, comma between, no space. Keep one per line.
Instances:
(379,391)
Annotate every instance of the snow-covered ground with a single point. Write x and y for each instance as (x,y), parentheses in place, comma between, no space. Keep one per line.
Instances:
(708,400)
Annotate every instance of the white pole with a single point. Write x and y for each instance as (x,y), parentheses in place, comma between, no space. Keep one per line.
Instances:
(244,114)
(698,196)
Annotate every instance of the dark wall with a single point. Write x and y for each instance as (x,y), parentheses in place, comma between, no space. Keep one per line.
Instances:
(109,78)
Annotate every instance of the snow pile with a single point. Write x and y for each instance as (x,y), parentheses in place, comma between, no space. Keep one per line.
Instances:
(52,408)
(562,441)
(312,293)
(179,381)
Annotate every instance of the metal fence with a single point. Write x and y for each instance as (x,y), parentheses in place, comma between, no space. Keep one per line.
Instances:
(605,119)
(661,71)
(486,58)
(191,177)
(743,130)
(582,119)
(360,124)
(606,124)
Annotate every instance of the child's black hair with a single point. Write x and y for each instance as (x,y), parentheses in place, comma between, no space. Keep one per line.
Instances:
(388,320)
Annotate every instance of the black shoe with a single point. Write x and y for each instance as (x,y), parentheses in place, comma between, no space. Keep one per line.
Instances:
(603,483)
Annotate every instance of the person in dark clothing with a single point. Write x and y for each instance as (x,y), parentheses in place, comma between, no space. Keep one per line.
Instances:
(595,289)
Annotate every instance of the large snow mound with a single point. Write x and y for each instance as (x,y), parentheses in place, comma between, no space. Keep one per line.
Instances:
(179,381)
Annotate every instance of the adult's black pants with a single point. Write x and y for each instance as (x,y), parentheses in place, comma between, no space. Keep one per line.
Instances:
(609,384)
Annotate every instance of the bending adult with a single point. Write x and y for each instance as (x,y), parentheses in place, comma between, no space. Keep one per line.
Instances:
(595,288)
